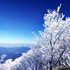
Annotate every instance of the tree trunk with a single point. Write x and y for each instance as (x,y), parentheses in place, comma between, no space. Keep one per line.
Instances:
(50,67)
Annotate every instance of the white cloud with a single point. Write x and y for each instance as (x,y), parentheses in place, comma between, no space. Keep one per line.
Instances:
(9,64)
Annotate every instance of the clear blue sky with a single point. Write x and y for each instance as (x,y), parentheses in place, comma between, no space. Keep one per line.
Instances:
(19,18)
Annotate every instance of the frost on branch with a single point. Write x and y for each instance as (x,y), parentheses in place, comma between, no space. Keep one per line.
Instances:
(55,38)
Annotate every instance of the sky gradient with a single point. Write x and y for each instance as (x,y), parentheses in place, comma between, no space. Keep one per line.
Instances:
(19,18)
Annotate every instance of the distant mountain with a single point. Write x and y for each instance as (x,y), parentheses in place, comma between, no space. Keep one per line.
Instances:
(13,52)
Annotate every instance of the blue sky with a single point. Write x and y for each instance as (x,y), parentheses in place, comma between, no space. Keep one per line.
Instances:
(19,18)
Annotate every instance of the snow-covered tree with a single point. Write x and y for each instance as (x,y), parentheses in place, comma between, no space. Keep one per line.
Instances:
(55,38)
